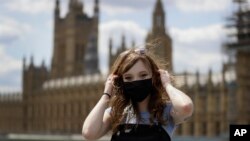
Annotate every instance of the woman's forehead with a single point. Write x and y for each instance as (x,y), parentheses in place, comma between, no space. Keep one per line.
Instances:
(139,66)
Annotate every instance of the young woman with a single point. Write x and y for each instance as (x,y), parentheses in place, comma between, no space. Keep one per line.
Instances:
(138,103)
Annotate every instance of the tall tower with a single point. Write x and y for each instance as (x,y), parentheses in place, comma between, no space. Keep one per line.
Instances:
(75,41)
(91,58)
(241,48)
(158,33)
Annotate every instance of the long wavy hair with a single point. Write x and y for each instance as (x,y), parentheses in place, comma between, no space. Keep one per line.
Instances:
(120,101)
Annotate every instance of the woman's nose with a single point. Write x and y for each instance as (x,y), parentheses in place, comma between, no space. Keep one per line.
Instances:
(137,79)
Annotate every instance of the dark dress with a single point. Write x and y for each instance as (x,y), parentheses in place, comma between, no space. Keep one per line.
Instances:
(140,132)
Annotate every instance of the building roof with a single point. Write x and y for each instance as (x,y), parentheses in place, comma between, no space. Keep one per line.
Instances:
(73,81)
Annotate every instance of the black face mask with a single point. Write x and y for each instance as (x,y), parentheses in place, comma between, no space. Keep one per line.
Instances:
(138,90)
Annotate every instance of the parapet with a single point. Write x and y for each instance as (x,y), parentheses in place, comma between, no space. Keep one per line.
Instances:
(74,81)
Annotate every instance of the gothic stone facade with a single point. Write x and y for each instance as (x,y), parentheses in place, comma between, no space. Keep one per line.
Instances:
(58,100)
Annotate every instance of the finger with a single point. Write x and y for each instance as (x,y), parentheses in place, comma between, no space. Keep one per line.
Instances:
(161,71)
(115,76)
(110,76)
(168,74)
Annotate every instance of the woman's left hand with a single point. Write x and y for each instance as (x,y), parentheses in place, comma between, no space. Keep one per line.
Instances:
(165,77)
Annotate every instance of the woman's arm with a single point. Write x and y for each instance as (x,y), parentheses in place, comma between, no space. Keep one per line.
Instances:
(182,103)
(98,121)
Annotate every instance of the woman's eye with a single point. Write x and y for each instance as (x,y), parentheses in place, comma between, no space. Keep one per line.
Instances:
(127,78)
(144,75)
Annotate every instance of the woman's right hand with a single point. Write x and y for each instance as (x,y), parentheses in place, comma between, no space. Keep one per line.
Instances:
(165,77)
(109,84)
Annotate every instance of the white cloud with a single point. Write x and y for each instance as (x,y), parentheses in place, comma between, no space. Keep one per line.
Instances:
(9,63)
(130,4)
(11,30)
(111,7)
(197,48)
(30,6)
(193,60)
(46,6)
(9,90)
(114,10)
(115,7)
(202,5)
(115,30)
(10,72)
(198,34)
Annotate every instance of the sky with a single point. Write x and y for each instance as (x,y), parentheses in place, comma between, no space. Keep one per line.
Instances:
(197,28)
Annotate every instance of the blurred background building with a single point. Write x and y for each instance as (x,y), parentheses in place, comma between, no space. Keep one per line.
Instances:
(57,100)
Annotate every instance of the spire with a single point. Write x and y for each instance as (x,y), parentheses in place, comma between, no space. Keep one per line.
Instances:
(223,81)
(110,45)
(31,61)
(210,75)
(123,43)
(159,18)
(197,83)
(57,9)
(24,63)
(185,79)
(133,43)
(43,63)
(210,81)
(197,78)
(57,4)
(110,52)
(96,8)
(159,6)
(75,5)
(224,68)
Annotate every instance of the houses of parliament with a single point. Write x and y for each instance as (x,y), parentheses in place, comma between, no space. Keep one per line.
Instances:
(57,100)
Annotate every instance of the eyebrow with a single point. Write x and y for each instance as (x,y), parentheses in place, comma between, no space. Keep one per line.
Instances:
(143,72)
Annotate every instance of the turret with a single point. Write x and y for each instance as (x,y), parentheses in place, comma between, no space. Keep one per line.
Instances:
(43,64)
(133,43)
(209,80)
(185,80)
(223,102)
(110,53)
(96,9)
(123,45)
(57,10)
(197,78)
(24,63)
(198,111)
(159,18)
(75,6)
(185,129)
(23,73)
(211,101)
(158,35)
(31,61)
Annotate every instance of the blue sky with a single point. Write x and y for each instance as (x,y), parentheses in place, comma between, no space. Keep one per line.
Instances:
(195,26)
